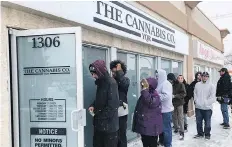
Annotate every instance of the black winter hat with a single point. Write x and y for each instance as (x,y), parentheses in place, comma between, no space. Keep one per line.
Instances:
(205,74)
(171,77)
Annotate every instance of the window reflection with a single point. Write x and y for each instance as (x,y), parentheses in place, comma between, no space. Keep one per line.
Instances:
(166,65)
(130,61)
(146,67)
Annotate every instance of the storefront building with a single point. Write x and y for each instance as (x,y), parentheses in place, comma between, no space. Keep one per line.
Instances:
(145,39)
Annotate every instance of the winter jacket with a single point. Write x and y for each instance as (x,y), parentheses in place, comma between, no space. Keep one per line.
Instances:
(179,93)
(147,115)
(123,85)
(224,87)
(204,95)
(107,100)
(190,92)
(164,90)
(186,98)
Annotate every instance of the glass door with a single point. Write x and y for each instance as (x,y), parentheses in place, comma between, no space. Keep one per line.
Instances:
(46,65)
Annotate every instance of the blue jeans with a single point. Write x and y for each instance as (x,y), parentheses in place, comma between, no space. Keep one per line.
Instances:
(225,114)
(167,129)
(206,116)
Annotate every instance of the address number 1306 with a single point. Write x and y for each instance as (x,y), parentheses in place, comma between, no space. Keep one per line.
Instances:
(41,42)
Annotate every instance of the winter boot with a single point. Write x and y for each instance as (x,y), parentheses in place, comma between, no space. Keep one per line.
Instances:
(186,128)
(176,131)
(222,124)
(198,136)
(207,137)
(181,136)
(226,126)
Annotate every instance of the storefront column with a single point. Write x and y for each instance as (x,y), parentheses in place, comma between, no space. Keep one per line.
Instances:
(190,73)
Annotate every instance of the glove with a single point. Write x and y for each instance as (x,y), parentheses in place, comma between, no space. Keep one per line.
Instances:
(144,84)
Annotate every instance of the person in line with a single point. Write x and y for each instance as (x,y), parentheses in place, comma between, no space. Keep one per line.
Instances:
(105,107)
(119,69)
(191,88)
(164,90)
(224,95)
(179,94)
(204,97)
(147,119)
(186,101)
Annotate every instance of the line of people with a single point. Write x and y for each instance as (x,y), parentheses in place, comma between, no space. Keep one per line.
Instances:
(163,98)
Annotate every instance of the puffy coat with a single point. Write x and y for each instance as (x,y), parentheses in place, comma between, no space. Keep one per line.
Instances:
(147,115)
(224,87)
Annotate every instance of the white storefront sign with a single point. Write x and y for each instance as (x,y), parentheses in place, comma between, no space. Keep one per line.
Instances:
(119,18)
(208,53)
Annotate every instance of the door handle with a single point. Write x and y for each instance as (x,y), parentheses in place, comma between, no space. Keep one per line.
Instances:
(78,119)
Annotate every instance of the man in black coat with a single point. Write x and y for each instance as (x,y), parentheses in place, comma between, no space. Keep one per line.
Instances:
(223,94)
(105,107)
(119,70)
(191,87)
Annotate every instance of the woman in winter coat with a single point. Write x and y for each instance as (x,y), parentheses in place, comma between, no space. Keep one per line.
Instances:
(147,119)
(181,79)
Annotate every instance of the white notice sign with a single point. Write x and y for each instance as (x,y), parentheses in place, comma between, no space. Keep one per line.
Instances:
(48,110)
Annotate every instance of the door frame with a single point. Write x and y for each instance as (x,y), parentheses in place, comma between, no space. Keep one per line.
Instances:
(14,73)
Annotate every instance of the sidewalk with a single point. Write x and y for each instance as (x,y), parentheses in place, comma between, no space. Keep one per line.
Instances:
(219,136)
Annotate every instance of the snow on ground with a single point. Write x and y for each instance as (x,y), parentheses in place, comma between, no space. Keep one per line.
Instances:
(219,136)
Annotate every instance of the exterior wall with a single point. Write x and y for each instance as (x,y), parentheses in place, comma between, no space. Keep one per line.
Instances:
(179,5)
(203,21)
(193,21)
(19,19)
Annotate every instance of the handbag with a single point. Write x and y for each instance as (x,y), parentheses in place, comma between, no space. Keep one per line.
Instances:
(123,110)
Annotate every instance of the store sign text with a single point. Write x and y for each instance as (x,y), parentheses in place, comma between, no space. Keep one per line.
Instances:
(134,23)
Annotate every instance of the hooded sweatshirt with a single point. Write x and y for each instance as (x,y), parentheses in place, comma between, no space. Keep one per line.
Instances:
(204,95)
(107,100)
(165,90)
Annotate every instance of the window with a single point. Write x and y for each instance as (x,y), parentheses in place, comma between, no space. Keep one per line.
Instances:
(177,68)
(131,62)
(147,68)
(90,54)
(166,65)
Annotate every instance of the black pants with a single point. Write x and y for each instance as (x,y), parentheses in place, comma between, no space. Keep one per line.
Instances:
(122,131)
(149,141)
(103,139)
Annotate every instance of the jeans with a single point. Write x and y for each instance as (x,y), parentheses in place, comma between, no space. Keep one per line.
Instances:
(206,116)
(178,118)
(185,120)
(149,141)
(225,114)
(166,136)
